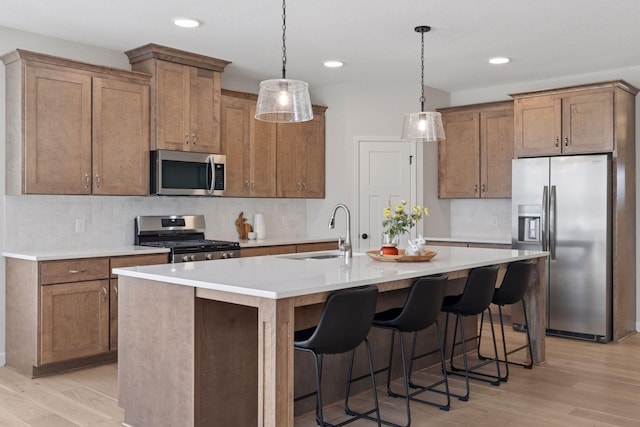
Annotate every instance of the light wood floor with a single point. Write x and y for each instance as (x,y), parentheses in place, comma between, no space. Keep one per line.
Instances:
(582,384)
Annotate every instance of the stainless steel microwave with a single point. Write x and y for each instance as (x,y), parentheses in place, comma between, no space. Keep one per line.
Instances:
(184,173)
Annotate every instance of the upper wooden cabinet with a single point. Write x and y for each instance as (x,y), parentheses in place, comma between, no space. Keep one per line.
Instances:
(475,159)
(573,120)
(75,128)
(301,157)
(250,147)
(271,159)
(185,97)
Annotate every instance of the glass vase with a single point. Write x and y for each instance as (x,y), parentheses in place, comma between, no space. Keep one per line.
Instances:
(390,244)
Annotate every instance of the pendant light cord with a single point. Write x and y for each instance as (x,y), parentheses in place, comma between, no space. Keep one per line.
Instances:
(284,39)
(422,99)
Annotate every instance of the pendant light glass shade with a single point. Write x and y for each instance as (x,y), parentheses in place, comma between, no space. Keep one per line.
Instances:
(425,126)
(284,101)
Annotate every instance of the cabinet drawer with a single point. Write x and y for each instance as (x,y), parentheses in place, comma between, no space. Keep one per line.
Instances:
(323,246)
(267,250)
(75,270)
(130,261)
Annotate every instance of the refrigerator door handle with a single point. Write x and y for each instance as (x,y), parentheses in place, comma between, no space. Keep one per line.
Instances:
(552,222)
(545,223)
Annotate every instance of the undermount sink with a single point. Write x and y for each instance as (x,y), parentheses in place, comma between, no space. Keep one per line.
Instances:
(311,256)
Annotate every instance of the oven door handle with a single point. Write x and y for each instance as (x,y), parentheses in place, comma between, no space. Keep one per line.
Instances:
(211,173)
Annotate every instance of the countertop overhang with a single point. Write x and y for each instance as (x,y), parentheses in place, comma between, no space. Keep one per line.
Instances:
(284,276)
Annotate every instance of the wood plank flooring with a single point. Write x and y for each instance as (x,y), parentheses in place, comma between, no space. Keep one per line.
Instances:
(582,384)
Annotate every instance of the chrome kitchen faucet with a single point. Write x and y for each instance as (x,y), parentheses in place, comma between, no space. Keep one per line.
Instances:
(343,245)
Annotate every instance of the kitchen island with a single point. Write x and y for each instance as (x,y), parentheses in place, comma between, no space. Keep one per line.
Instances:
(211,343)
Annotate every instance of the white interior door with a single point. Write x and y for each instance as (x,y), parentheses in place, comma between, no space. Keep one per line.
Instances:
(386,174)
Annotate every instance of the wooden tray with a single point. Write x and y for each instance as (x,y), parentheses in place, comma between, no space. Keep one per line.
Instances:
(401,257)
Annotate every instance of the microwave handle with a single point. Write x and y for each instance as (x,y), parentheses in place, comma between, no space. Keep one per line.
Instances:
(211,172)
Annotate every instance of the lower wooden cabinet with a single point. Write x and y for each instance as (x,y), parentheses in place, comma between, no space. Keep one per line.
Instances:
(74,320)
(288,249)
(63,314)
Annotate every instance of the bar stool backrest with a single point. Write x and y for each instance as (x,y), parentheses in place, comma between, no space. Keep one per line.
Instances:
(515,283)
(345,321)
(423,304)
(478,291)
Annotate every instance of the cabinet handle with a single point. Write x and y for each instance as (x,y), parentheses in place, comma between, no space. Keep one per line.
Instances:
(304,187)
(483,189)
(87,180)
(105,292)
(557,142)
(194,138)
(253,186)
(299,187)
(566,141)
(115,290)
(475,188)
(186,139)
(98,180)
(76,271)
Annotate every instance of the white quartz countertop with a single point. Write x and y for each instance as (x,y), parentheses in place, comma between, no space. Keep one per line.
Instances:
(487,239)
(285,241)
(52,255)
(283,276)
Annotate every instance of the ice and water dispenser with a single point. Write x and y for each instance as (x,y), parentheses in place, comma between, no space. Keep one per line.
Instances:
(529,224)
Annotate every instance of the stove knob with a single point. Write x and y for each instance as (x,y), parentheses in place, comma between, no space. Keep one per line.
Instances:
(192,257)
(209,256)
(230,254)
(185,258)
(225,255)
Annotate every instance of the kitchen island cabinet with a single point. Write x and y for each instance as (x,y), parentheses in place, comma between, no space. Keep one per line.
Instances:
(252,249)
(475,159)
(211,343)
(185,97)
(62,313)
(75,128)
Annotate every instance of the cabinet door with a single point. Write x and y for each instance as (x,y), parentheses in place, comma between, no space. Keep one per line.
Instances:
(301,159)
(459,156)
(262,169)
(113,314)
(74,320)
(204,124)
(235,135)
(289,181)
(313,157)
(496,153)
(57,150)
(172,106)
(120,138)
(587,122)
(537,126)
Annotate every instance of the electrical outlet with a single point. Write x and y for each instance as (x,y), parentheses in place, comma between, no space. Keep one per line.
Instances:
(80,225)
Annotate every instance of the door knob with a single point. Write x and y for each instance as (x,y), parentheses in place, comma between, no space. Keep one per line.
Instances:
(365,236)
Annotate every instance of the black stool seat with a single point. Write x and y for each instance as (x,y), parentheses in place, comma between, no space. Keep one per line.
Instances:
(420,311)
(511,291)
(475,299)
(344,323)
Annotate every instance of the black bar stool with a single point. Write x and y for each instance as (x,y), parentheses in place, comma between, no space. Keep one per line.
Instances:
(345,321)
(419,312)
(512,290)
(474,300)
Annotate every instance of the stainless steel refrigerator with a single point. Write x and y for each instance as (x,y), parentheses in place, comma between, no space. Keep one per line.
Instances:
(563,205)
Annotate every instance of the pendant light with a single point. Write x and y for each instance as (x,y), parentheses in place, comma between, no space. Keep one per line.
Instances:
(425,126)
(284,100)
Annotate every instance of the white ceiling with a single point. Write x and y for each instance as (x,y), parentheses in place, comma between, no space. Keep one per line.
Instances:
(375,38)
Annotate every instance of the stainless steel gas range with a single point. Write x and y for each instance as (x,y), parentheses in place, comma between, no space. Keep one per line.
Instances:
(184,236)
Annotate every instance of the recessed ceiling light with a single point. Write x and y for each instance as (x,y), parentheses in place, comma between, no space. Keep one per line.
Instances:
(186,22)
(333,64)
(499,60)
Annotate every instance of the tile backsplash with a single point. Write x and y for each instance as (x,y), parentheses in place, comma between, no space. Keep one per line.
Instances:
(49,222)
(481,218)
